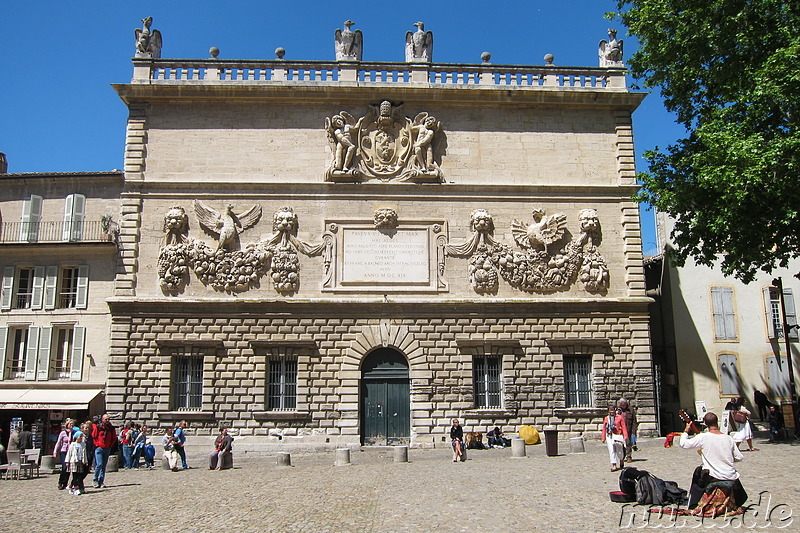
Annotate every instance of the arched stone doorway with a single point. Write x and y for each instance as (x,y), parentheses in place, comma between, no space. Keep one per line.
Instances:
(385,398)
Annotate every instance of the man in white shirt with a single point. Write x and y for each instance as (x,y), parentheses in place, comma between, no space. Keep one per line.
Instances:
(718,452)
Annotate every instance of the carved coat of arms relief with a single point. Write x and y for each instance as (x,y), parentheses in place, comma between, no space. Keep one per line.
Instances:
(384,144)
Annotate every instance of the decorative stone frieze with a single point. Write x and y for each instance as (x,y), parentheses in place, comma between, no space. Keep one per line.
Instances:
(535,268)
(384,144)
(232,270)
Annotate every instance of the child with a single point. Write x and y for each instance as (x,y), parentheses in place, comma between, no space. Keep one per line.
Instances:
(76,463)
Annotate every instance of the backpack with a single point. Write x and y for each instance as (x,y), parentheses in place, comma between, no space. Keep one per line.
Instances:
(628,478)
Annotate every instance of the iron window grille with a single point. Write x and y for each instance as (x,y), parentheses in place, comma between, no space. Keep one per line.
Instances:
(488,381)
(187,381)
(578,381)
(282,387)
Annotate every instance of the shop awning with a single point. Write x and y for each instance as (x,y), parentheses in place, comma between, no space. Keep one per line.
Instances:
(56,399)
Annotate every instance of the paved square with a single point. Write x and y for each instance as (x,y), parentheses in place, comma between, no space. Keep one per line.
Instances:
(490,492)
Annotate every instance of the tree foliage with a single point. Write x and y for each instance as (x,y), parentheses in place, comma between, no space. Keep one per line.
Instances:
(730,71)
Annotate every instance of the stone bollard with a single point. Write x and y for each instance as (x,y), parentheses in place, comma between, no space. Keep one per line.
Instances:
(342,457)
(576,445)
(48,464)
(284,459)
(113,463)
(401,454)
(517,447)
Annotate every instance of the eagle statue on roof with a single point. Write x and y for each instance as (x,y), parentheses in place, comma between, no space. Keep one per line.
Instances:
(227,225)
(148,43)
(419,45)
(349,44)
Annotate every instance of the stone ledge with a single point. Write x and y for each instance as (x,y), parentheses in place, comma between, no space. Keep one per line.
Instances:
(281,415)
(580,412)
(475,414)
(186,415)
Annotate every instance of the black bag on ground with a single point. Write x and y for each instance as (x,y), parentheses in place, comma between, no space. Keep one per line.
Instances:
(653,490)
(628,478)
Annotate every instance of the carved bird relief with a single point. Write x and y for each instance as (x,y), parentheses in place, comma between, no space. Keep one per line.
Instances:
(544,231)
(227,225)
(419,44)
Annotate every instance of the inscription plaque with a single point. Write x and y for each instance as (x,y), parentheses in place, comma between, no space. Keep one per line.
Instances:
(386,257)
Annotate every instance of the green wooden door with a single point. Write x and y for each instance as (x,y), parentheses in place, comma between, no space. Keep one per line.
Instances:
(385,399)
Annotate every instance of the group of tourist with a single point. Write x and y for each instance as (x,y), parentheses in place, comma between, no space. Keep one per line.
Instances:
(82,448)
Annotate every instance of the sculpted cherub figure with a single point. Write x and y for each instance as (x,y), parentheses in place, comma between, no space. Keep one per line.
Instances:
(423,129)
(340,128)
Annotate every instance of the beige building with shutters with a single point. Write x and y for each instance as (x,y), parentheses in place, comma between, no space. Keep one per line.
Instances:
(58,258)
(715,338)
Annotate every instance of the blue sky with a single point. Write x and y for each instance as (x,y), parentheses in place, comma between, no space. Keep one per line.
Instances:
(59,112)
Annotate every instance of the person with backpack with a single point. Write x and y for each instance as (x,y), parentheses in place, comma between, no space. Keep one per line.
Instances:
(126,441)
(180,441)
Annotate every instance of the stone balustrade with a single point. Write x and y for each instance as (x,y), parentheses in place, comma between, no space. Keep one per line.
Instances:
(217,71)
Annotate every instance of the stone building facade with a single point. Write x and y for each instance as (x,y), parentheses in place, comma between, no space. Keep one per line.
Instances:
(348,252)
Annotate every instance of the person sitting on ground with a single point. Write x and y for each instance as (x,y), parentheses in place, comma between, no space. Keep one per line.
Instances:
(496,438)
(457,440)
(715,484)
(775,421)
(223,446)
(168,441)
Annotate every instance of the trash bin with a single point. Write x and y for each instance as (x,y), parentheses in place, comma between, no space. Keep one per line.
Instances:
(551,441)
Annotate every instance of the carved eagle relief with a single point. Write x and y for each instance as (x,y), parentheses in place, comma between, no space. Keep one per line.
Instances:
(544,231)
(227,225)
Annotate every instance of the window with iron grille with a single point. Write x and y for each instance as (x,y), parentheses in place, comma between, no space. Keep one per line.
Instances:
(24,294)
(282,387)
(68,293)
(61,363)
(15,364)
(772,301)
(578,380)
(488,381)
(187,380)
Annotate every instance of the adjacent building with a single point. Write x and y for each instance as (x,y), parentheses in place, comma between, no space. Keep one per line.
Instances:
(715,338)
(58,258)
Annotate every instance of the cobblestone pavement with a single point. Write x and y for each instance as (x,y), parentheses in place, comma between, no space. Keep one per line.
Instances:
(491,491)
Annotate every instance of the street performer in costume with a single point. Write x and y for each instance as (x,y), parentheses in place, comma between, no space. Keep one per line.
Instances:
(716,489)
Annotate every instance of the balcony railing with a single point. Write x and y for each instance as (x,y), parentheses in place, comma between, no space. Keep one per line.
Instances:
(218,71)
(51,232)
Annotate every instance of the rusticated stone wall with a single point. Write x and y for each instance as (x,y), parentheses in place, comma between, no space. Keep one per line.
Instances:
(330,344)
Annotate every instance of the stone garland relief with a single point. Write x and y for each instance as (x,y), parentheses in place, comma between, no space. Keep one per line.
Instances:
(535,268)
(386,145)
(230,268)
(540,265)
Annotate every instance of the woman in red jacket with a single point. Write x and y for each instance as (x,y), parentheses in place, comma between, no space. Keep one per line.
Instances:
(615,434)
(104,436)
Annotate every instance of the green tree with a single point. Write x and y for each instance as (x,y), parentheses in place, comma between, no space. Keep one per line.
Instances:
(730,71)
